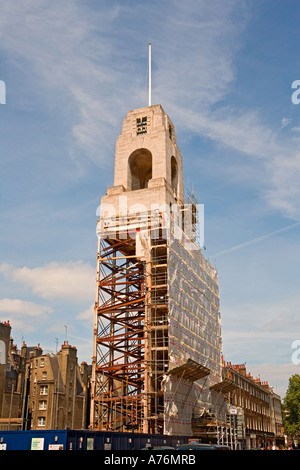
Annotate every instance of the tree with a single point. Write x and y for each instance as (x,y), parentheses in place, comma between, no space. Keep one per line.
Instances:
(291,407)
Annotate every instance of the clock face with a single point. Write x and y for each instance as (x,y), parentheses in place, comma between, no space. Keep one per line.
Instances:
(141,125)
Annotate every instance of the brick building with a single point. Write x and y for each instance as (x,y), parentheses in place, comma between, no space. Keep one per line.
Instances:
(259,405)
(58,390)
(41,391)
(12,373)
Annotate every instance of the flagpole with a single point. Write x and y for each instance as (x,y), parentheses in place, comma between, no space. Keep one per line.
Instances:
(149,74)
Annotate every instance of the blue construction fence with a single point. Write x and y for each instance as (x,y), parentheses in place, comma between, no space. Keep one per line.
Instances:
(84,440)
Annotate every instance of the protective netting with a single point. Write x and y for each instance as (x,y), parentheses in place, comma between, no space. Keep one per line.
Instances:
(194,333)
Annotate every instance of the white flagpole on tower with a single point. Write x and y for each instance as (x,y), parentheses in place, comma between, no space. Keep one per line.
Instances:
(149,74)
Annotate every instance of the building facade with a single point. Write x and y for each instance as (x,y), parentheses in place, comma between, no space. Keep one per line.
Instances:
(58,393)
(41,391)
(259,407)
(12,380)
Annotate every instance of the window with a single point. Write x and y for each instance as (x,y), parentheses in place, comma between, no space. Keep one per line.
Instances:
(42,405)
(44,375)
(41,421)
(141,125)
(44,390)
(42,362)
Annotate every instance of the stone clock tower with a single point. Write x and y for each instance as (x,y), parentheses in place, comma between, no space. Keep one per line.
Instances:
(148,163)
(157,324)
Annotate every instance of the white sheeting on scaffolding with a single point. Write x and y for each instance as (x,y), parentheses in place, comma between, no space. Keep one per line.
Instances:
(194,333)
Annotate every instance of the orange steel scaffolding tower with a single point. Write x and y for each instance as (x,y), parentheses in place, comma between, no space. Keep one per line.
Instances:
(130,333)
(119,336)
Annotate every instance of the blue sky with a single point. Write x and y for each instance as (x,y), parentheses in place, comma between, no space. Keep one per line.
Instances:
(223,72)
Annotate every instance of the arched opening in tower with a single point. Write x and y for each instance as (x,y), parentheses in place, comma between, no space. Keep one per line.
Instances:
(140,169)
(174,174)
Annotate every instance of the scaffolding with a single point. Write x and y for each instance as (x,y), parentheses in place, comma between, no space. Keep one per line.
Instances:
(158,331)
(157,337)
(119,340)
(194,219)
(130,329)
(218,425)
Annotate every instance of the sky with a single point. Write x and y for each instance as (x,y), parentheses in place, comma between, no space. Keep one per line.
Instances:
(226,74)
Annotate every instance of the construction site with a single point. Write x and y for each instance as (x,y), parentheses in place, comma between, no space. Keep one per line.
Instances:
(158,376)
(157,354)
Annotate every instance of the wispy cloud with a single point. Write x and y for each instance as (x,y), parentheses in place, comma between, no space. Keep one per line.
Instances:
(88,314)
(23,314)
(259,316)
(274,373)
(285,122)
(71,281)
(74,63)
(270,326)
(82,68)
(23,307)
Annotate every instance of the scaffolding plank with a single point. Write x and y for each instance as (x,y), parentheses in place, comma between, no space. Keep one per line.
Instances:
(191,370)
(225,386)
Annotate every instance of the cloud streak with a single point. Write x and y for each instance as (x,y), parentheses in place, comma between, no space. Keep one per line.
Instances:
(264,331)
(256,240)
